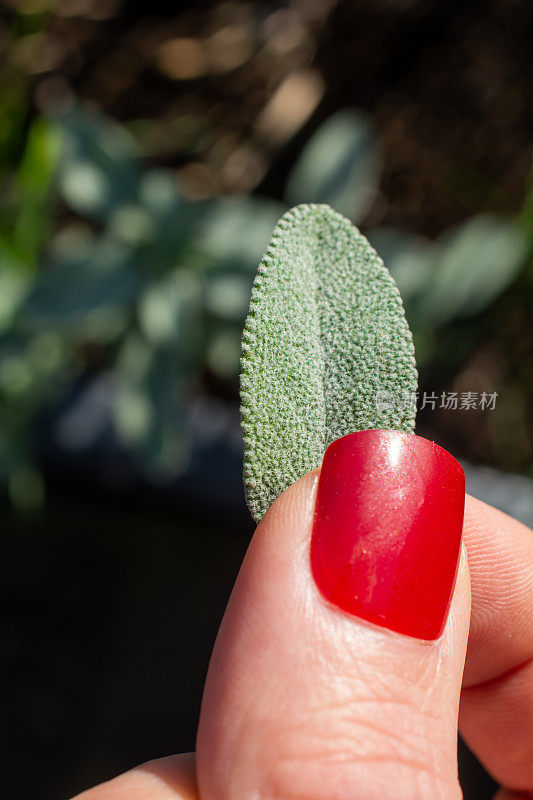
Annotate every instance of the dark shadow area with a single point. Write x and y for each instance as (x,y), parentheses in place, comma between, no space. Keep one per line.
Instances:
(109,616)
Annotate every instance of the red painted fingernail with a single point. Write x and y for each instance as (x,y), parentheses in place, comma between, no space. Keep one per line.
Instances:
(387,530)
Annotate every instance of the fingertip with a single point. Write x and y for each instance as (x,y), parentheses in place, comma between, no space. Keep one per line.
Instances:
(303,699)
(170,778)
(295,505)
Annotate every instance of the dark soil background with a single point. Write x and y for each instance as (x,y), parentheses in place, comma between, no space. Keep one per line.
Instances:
(110,603)
(448,84)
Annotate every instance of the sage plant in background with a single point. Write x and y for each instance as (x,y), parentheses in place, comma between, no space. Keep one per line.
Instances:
(112,271)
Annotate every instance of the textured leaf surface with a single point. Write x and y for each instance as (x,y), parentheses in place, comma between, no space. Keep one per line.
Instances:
(325,334)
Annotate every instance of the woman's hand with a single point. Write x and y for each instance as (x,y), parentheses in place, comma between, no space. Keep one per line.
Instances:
(305,702)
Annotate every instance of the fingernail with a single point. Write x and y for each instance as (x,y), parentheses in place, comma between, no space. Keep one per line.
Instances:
(387,530)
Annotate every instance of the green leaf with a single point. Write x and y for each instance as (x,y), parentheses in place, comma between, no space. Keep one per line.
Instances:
(32,368)
(70,291)
(98,169)
(41,157)
(409,258)
(340,165)
(13,287)
(169,308)
(325,340)
(227,294)
(27,213)
(153,395)
(236,231)
(477,260)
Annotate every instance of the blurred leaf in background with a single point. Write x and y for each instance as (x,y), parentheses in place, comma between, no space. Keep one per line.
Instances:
(27,220)
(74,290)
(454,277)
(473,264)
(99,171)
(154,286)
(408,257)
(340,166)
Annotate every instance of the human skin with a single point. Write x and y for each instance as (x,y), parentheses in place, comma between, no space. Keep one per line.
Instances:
(305,702)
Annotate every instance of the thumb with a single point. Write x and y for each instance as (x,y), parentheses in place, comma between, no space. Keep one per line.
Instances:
(337,669)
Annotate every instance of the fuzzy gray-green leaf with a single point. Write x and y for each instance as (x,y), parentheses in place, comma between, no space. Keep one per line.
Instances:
(325,339)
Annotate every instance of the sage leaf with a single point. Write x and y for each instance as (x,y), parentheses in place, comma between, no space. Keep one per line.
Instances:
(326,350)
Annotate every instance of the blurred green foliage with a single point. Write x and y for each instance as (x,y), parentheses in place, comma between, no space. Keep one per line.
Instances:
(157,285)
